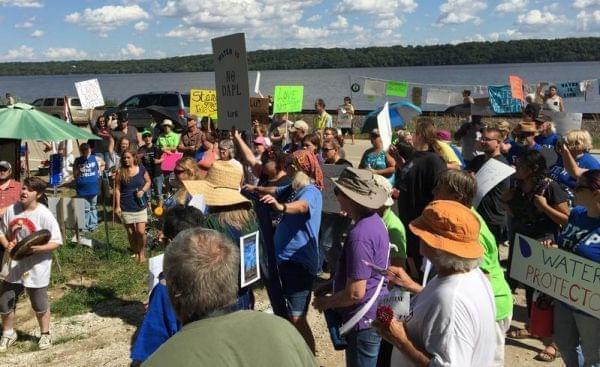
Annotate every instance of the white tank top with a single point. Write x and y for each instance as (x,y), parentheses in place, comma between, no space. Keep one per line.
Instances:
(552,103)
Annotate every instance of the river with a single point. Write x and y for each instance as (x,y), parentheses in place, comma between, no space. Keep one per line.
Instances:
(330,84)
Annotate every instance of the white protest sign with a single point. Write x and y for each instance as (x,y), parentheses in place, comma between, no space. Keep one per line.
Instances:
(565,121)
(489,175)
(155,267)
(231,81)
(89,93)
(374,87)
(257,83)
(560,274)
(443,97)
(385,126)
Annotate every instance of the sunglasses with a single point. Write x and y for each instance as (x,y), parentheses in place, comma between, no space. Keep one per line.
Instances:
(179,171)
(326,149)
(484,139)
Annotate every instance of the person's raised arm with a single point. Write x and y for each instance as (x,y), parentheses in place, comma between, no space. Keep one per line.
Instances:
(245,149)
(569,161)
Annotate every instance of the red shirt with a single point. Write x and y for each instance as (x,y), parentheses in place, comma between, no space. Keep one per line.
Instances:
(10,194)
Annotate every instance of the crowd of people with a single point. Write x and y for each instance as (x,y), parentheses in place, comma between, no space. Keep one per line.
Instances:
(402,211)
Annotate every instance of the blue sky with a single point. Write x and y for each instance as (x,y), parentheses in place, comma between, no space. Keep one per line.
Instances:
(129,29)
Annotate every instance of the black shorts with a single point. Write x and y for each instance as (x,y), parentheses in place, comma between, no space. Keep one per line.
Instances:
(347,130)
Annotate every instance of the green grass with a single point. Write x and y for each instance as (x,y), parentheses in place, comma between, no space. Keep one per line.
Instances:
(91,277)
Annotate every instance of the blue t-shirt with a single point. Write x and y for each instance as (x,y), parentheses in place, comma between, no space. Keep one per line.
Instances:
(581,235)
(547,141)
(86,184)
(297,235)
(559,174)
(516,151)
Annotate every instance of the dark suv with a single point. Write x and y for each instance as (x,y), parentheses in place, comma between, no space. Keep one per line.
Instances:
(175,103)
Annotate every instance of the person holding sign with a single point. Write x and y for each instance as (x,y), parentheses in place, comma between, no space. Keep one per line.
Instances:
(346,117)
(581,236)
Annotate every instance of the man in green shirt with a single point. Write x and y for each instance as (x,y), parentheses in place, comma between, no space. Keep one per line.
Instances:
(168,140)
(201,269)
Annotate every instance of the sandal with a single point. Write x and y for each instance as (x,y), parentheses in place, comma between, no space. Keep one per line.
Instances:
(546,356)
(520,334)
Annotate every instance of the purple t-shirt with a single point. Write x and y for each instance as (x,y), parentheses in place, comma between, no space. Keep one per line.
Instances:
(367,240)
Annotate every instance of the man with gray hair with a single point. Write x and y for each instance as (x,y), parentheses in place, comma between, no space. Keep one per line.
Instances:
(452,319)
(201,268)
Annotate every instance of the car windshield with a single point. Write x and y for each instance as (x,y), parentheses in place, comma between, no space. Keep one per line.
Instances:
(131,102)
(149,100)
(169,100)
(186,100)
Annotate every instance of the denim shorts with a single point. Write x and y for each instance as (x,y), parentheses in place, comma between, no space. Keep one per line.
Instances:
(297,283)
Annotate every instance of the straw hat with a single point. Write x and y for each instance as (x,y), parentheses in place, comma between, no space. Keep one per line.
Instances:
(360,186)
(450,227)
(221,186)
(526,127)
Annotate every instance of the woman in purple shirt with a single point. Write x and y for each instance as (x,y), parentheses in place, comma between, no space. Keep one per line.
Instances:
(355,282)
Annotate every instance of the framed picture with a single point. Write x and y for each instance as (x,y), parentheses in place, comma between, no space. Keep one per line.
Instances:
(249,259)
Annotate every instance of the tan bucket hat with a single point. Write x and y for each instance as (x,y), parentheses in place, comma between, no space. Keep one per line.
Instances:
(360,186)
(221,186)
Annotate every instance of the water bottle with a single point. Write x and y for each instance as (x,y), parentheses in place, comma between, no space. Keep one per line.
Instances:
(141,201)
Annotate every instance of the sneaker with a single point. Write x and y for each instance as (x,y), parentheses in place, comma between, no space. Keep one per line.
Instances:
(6,341)
(45,341)
(86,242)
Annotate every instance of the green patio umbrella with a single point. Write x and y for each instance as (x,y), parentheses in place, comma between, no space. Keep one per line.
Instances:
(22,121)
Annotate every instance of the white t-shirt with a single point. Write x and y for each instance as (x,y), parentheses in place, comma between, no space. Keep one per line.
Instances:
(32,271)
(453,320)
(552,103)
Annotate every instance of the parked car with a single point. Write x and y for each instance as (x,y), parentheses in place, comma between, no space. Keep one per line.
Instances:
(55,107)
(175,104)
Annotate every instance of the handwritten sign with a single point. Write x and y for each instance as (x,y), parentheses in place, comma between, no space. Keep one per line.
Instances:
(565,121)
(385,126)
(396,89)
(259,109)
(516,87)
(203,103)
(89,93)
(288,98)
(489,175)
(374,87)
(569,90)
(560,274)
(231,81)
(502,101)
(443,97)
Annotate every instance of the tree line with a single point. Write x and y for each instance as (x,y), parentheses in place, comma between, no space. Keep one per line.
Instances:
(517,51)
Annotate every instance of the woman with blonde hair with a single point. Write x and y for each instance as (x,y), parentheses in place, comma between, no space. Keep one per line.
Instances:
(186,169)
(425,139)
(131,184)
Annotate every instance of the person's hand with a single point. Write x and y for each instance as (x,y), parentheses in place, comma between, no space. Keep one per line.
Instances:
(237,135)
(321,303)
(548,243)
(11,245)
(395,193)
(398,276)
(269,199)
(118,211)
(394,332)
(540,201)
(140,194)
(249,188)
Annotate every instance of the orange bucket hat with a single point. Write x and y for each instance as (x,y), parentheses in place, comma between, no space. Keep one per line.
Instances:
(451,227)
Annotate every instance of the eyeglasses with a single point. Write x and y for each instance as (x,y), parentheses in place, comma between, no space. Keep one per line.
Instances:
(326,149)
(484,139)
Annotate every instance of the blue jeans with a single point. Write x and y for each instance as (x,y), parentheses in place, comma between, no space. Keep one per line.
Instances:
(363,348)
(573,328)
(91,213)
(157,186)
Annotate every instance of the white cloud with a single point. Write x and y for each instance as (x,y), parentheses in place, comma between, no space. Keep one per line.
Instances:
(507,34)
(341,22)
(26,24)
(64,53)
(377,6)
(536,17)
(160,54)
(107,18)
(132,50)
(37,33)
(582,4)
(19,53)
(460,11)
(307,33)
(314,18)
(588,21)
(140,26)
(511,6)
(388,23)
(22,3)
(188,32)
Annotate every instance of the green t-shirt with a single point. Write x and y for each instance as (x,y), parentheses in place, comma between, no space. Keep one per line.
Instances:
(396,232)
(168,141)
(490,265)
(243,338)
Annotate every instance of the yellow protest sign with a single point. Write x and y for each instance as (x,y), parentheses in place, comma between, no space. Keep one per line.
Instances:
(203,102)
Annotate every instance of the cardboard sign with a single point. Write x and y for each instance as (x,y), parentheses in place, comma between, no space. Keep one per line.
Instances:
(231,81)
(89,93)
(443,97)
(565,121)
(569,90)
(259,105)
(288,98)
(501,100)
(374,87)
(516,87)
(203,103)
(384,125)
(489,175)
(560,274)
(396,89)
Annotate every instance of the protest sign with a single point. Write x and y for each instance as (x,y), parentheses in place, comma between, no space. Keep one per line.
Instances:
(344,119)
(330,202)
(374,87)
(385,126)
(565,121)
(288,98)
(56,163)
(489,175)
(396,89)
(560,274)
(203,103)
(259,109)
(89,93)
(569,90)
(170,160)
(257,83)
(417,96)
(155,267)
(516,87)
(249,259)
(501,100)
(443,97)
(231,81)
